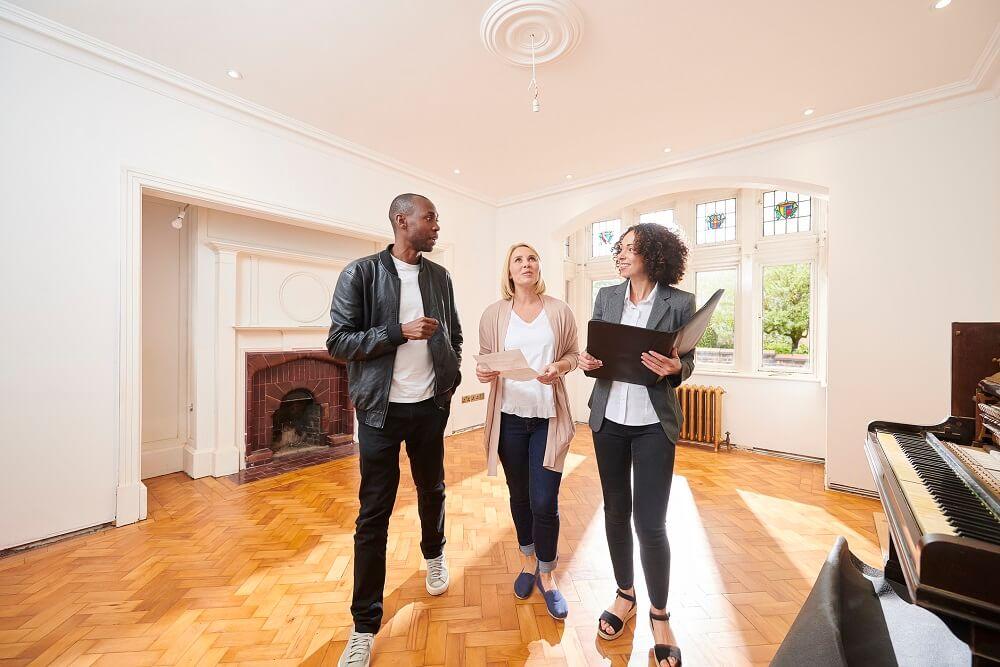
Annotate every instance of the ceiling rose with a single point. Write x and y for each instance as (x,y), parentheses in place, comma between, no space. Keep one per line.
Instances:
(508,25)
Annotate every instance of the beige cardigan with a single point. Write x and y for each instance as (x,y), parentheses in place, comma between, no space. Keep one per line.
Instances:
(492,334)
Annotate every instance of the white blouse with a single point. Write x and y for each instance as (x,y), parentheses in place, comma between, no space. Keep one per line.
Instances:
(537,341)
(629,404)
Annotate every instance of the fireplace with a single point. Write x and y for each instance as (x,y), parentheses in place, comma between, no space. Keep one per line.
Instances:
(296,402)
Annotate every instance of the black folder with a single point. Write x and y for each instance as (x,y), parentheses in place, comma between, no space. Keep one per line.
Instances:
(620,346)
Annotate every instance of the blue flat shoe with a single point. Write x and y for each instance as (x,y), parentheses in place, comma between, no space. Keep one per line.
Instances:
(555,603)
(523,585)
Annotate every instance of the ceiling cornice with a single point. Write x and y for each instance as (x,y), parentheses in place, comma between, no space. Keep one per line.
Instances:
(983,81)
(38,32)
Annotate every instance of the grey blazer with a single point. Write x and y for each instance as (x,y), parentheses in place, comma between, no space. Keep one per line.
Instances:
(672,308)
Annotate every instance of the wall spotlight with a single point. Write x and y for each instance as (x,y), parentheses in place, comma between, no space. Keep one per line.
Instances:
(178,222)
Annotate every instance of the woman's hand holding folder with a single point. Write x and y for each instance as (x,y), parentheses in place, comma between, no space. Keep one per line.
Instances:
(589,363)
(661,365)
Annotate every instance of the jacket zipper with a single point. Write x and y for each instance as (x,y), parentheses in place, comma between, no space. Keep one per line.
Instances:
(397,298)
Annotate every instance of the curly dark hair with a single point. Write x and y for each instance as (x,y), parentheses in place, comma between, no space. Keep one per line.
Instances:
(662,251)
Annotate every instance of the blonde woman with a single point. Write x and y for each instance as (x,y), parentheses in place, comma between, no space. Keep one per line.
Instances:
(528,424)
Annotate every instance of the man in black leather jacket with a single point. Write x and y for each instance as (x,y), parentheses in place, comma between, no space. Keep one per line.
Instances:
(393,320)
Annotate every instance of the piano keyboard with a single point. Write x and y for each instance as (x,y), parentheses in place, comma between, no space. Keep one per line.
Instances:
(941,501)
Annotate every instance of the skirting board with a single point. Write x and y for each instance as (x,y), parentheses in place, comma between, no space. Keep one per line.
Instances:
(787,455)
(853,490)
(52,540)
(158,461)
(467,429)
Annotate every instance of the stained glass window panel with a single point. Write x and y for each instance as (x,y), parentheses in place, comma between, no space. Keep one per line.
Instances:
(716,221)
(786,213)
(605,235)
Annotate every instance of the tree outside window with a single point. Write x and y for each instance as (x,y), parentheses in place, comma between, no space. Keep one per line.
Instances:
(787,307)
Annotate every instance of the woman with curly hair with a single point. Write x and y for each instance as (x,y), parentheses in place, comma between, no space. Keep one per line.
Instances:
(636,427)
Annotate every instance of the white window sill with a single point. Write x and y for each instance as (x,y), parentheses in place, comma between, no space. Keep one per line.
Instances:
(759,375)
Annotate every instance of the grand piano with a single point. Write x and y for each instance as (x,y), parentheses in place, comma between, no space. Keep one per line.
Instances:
(940,487)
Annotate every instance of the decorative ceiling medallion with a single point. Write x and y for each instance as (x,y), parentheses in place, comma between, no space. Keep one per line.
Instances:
(507,27)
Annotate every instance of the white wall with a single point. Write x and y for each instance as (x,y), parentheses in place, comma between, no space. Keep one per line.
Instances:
(165,339)
(67,133)
(913,235)
(783,415)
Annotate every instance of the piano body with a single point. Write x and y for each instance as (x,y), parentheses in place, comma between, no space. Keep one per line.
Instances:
(940,487)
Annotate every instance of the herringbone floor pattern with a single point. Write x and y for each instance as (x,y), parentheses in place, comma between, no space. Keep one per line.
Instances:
(261,573)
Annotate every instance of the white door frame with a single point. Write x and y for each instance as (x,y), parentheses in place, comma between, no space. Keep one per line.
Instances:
(130,498)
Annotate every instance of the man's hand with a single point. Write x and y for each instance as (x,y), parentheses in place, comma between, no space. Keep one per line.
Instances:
(661,365)
(589,363)
(421,328)
(549,375)
(485,375)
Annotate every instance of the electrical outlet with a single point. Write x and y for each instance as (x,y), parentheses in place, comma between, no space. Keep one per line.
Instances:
(469,398)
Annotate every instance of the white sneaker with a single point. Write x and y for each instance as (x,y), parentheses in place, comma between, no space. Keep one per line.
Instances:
(437,575)
(358,652)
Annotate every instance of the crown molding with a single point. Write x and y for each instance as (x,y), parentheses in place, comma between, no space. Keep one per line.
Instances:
(988,62)
(37,32)
(983,83)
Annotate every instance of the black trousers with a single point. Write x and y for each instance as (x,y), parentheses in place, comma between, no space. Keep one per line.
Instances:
(645,455)
(421,426)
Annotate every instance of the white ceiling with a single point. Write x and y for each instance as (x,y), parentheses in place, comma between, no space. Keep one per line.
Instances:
(412,80)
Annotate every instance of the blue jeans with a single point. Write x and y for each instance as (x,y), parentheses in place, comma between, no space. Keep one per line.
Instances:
(534,489)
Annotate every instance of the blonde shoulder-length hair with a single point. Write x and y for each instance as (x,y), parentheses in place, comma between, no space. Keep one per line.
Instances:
(507,283)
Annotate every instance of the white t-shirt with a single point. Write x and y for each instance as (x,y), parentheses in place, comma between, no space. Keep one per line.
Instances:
(536,340)
(629,404)
(413,372)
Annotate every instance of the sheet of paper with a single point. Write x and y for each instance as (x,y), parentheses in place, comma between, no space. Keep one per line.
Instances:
(511,364)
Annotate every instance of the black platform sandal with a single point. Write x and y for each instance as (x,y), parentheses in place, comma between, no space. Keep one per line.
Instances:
(618,624)
(663,652)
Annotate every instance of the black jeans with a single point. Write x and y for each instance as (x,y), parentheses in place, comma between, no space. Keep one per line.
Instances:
(421,425)
(534,489)
(645,453)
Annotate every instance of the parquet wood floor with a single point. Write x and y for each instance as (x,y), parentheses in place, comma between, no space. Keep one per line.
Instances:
(260,573)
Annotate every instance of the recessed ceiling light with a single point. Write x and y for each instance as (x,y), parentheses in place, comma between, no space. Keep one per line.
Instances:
(456,171)
(808,112)
(667,149)
(941,4)
(569,177)
(234,74)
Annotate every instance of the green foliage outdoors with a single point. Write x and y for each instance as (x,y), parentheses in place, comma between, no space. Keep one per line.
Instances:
(786,308)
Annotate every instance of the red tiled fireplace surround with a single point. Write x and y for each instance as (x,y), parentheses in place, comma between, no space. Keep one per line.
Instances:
(271,376)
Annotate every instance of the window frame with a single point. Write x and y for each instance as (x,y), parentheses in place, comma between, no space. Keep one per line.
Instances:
(591,257)
(721,264)
(782,259)
(737,211)
(748,254)
(812,217)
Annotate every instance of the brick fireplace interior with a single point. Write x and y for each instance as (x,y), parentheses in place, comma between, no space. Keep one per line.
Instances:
(296,402)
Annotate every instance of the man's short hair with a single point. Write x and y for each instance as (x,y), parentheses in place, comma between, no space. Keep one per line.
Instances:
(403,204)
